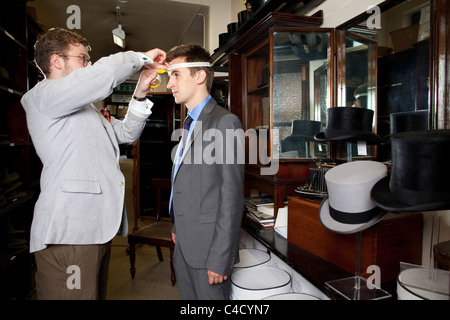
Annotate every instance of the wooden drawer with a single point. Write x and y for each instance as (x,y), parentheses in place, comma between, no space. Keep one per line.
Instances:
(395,238)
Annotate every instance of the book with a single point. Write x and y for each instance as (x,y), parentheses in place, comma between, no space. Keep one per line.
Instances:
(255,202)
(261,217)
(268,209)
(268,224)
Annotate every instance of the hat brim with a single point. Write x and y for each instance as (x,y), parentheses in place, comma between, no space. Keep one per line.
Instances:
(302,136)
(331,224)
(384,198)
(370,138)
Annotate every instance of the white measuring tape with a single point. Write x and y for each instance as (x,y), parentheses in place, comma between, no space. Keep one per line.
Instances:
(189,65)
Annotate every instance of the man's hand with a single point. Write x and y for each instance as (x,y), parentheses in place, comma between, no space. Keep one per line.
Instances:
(159,58)
(146,78)
(215,278)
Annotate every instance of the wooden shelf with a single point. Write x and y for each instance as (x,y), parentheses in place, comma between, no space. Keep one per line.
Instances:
(17,36)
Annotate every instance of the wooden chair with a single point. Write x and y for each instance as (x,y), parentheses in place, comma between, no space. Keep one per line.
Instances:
(158,234)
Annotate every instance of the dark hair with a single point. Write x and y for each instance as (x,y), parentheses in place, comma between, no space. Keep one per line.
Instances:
(55,41)
(193,53)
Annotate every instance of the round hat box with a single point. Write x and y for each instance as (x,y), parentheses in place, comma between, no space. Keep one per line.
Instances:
(420,278)
(259,283)
(292,296)
(249,258)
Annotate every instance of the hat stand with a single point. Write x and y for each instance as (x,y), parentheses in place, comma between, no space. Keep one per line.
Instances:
(426,282)
(356,287)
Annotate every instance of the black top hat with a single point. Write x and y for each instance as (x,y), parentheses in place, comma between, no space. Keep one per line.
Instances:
(409,121)
(419,175)
(303,131)
(306,128)
(349,123)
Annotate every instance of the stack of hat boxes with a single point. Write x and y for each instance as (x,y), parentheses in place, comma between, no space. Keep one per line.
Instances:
(395,238)
(298,284)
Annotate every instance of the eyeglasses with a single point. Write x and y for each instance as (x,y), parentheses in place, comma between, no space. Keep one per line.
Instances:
(85,60)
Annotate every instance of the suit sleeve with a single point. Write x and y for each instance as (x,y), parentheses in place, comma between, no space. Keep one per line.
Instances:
(230,175)
(57,98)
(129,129)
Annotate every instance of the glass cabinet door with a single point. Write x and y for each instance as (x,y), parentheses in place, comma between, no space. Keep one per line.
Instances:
(289,89)
(300,91)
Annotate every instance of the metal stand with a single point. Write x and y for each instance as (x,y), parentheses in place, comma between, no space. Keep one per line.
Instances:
(356,288)
(426,282)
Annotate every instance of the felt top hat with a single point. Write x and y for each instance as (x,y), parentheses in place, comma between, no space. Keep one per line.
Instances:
(306,128)
(349,123)
(420,173)
(348,208)
(302,131)
(408,121)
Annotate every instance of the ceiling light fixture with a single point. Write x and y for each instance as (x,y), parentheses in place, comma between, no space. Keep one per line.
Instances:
(118,33)
(119,36)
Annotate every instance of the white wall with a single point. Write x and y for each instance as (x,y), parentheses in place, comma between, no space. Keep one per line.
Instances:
(336,12)
(221,13)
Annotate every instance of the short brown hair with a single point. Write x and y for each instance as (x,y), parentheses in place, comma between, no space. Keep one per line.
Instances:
(193,53)
(55,41)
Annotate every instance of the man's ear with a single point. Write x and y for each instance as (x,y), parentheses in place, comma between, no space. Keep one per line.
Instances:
(201,77)
(57,61)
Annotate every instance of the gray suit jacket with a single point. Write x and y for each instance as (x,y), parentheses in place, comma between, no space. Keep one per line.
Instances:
(82,188)
(208,196)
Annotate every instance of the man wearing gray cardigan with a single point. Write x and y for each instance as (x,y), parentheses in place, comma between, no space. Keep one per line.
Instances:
(81,204)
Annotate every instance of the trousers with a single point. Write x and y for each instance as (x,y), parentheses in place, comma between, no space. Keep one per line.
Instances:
(193,283)
(73,272)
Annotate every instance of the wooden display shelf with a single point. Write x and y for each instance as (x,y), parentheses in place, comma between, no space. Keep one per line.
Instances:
(395,238)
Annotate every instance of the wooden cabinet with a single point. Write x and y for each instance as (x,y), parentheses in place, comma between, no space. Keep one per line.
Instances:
(272,75)
(152,154)
(19,165)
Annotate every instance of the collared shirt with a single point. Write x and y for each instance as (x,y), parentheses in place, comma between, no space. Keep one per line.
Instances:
(194,114)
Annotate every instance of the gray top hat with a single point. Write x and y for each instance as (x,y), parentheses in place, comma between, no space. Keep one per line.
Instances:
(348,208)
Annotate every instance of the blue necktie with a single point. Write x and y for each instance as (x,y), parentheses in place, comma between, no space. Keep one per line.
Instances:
(186,127)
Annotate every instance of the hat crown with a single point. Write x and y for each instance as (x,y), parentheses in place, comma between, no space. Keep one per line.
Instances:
(349,123)
(306,127)
(350,118)
(348,208)
(419,173)
(420,170)
(349,185)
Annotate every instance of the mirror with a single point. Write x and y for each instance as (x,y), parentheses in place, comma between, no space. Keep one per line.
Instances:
(357,85)
(301,92)
(401,98)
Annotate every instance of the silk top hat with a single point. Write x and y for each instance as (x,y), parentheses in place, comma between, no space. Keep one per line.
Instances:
(348,208)
(306,128)
(303,131)
(420,173)
(349,123)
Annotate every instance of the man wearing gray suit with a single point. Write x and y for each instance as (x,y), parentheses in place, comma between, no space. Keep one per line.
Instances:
(81,204)
(207,197)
